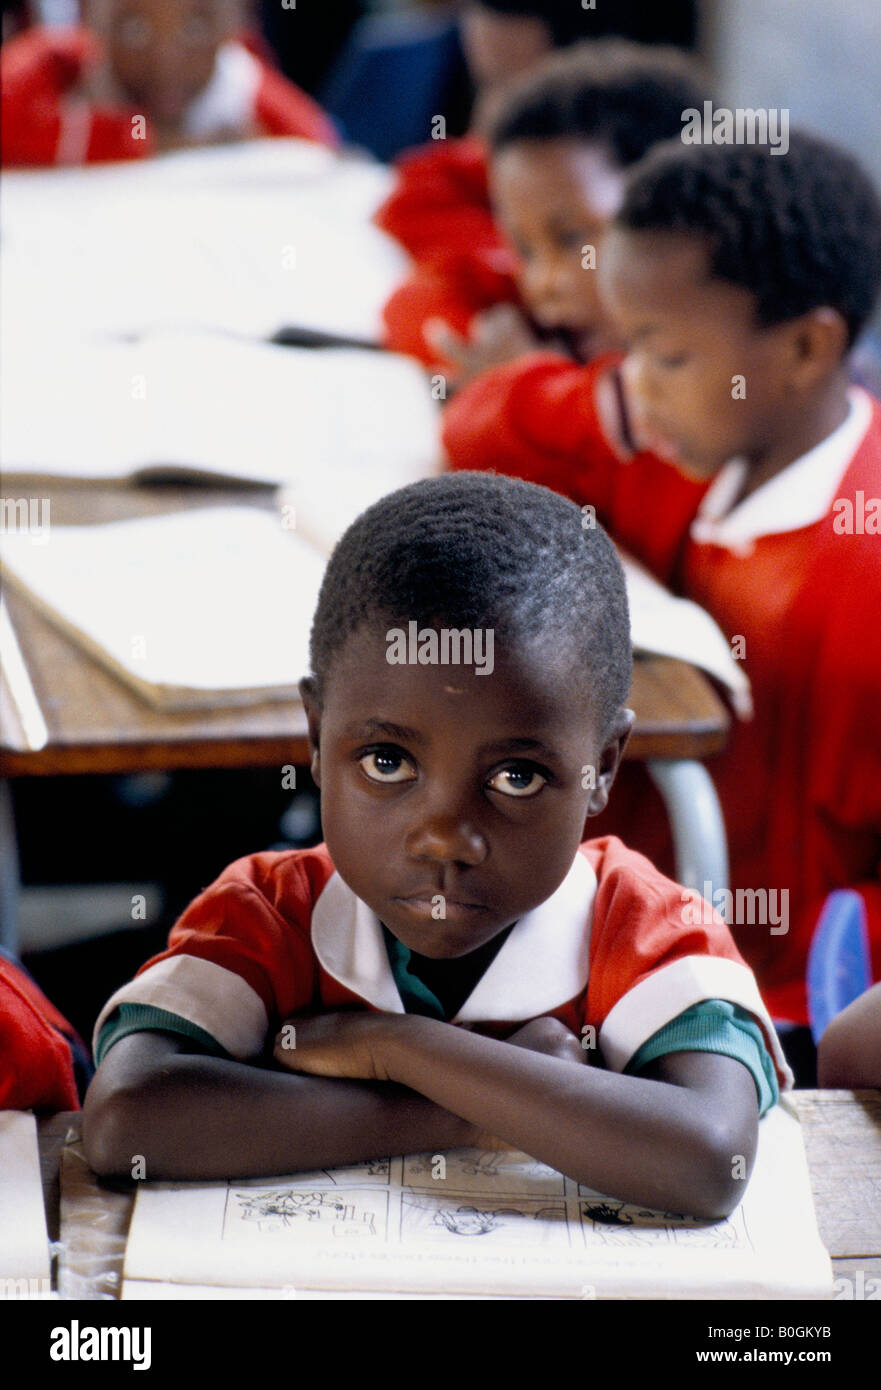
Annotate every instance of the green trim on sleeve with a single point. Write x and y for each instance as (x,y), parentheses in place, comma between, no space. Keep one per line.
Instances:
(144,1018)
(716,1026)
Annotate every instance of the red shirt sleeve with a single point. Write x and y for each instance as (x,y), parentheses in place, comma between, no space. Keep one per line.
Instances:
(36,69)
(643,925)
(454,288)
(441,201)
(282,109)
(254,920)
(655,951)
(36,1066)
(537,419)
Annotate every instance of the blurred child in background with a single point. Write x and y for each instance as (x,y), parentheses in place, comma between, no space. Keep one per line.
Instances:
(440,211)
(849,1054)
(739,281)
(560,146)
(139,77)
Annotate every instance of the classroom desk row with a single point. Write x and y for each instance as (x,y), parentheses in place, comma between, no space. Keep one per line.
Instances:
(842,1133)
(96,724)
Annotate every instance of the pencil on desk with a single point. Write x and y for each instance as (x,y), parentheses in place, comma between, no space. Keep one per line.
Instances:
(24,698)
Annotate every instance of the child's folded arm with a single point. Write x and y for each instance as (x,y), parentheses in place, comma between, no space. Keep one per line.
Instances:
(192,1115)
(669,1138)
(189,1115)
(679,1137)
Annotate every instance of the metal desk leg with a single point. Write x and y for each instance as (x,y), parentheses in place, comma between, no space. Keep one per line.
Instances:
(696,822)
(10,884)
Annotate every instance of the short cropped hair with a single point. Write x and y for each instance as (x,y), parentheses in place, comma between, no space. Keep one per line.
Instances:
(477,550)
(623,96)
(800,230)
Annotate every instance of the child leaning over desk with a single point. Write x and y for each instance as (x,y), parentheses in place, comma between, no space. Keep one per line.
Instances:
(739,277)
(450,962)
(559,145)
(142,76)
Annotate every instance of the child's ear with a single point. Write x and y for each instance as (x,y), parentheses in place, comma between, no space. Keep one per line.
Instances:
(609,761)
(819,342)
(312,706)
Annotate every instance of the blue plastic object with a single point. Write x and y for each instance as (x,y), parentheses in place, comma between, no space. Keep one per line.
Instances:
(838,962)
(390,80)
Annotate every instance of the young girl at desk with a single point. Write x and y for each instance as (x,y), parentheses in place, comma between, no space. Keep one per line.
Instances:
(452,960)
(739,278)
(142,76)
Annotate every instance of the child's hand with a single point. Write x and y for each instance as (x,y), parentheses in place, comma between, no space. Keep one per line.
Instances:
(550,1036)
(499,335)
(339,1045)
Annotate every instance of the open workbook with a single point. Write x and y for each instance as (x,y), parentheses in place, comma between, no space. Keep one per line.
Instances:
(477,1222)
(250,240)
(213,606)
(206,407)
(197,609)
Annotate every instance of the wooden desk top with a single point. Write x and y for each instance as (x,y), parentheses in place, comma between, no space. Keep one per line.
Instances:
(842,1135)
(97,724)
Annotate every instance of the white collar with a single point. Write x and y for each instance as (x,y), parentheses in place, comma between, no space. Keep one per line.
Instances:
(227,103)
(543,963)
(798,496)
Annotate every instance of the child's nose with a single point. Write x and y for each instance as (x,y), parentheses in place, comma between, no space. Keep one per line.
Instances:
(447,837)
(545,281)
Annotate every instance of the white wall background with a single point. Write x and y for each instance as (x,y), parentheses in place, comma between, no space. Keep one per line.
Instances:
(819,58)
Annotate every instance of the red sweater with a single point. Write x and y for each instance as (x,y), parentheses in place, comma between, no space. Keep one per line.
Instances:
(799,784)
(440,213)
(536,419)
(43,123)
(36,1065)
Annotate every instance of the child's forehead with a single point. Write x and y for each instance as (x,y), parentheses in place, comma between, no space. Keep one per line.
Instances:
(656,279)
(556,176)
(651,259)
(531,676)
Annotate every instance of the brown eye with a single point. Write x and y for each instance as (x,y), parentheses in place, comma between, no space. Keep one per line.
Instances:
(387,765)
(517,781)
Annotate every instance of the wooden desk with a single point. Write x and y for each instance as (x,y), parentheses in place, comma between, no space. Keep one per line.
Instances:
(842,1133)
(96,724)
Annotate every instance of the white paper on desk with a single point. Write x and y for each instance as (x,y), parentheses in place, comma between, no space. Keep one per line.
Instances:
(24,1243)
(663,625)
(350,183)
(496,1223)
(152,255)
(338,423)
(200,608)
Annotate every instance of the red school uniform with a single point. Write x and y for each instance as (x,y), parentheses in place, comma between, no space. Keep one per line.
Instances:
(614,949)
(45,123)
(440,213)
(36,1047)
(536,418)
(799,784)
